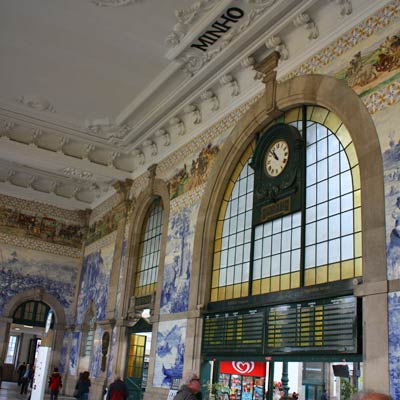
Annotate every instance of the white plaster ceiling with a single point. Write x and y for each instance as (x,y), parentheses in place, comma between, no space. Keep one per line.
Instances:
(95,91)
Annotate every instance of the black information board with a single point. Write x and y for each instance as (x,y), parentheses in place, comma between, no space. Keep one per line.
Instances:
(327,326)
(323,325)
(234,332)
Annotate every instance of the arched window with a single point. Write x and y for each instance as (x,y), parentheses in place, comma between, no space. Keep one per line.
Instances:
(149,250)
(320,243)
(32,313)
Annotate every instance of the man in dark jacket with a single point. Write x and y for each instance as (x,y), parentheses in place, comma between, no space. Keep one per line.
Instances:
(190,386)
(117,390)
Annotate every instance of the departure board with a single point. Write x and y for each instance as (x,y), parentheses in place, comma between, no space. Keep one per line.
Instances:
(317,326)
(234,332)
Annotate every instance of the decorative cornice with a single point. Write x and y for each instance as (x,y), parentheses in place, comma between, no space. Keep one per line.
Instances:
(113,3)
(107,129)
(186,18)
(36,102)
(305,20)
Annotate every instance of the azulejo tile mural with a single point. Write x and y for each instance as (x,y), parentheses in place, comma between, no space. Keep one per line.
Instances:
(170,352)
(95,279)
(95,362)
(394,344)
(178,261)
(74,353)
(22,270)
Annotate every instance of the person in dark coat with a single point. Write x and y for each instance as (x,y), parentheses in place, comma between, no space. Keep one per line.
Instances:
(82,386)
(21,370)
(26,379)
(190,386)
(117,390)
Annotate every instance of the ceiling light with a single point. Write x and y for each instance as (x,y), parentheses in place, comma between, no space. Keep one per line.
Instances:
(28,326)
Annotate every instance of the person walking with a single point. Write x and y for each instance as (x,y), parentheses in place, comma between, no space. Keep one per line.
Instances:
(82,387)
(26,378)
(117,390)
(55,384)
(190,386)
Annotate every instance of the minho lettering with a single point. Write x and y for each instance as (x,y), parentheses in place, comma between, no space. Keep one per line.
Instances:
(232,14)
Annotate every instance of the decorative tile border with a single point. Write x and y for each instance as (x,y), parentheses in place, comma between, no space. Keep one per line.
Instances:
(103,242)
(187,199)
(34,207)
(104,207)
(383,98)
(40,245)
(386,16)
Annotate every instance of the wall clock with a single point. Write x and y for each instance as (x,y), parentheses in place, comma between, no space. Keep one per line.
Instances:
(278,163)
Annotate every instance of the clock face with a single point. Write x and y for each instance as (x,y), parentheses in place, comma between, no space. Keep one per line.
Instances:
(276,158)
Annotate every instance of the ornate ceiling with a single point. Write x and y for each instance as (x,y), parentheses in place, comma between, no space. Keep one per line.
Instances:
(96,91)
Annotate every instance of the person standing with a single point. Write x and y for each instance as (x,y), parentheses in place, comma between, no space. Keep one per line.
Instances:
(1,372)
(190,386)
(82,386)
(26,377)
(117,390)
(325,395)
(55,384)
(21,371)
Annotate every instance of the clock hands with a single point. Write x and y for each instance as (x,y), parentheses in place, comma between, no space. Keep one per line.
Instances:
(274,154)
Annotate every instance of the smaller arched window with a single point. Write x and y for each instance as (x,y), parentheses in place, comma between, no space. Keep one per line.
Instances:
(149,250)
(32,313)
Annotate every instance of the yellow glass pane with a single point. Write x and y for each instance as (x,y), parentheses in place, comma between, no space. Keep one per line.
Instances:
(236,172)
(245,289)
(357,198)
(334,272)
(285,282)
(217,259)
(295,280)
(221,293)
(322,274)
(352,155)
(256,288)
(309,113)
(220,223)
(348,269)
(292,115)
(217,245)
(358,267)
(266,285)
(357,220)
(344,136)
(358,244)
(229,292)
(228,191)
(248,152)
(215,279)
(275,283)
(319,114)
(214,294)
(332,122)
(356,177)
(309,277)
(237,290)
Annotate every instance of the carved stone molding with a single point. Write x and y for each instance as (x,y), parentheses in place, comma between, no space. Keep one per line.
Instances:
(305,20)
(194,112)
(209,96)
(162,133)
(192,62)
(151,146)
(6,126)
(139,155)
(229,80)
(187,17)
(177,125)
(36,102)
(105,128)
(276,43)
(345,7)
(113,3)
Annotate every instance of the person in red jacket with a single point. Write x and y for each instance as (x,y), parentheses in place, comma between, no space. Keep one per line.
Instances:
(55,384)
(117,390)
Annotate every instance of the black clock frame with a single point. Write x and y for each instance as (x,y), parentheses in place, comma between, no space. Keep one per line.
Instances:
(277,196)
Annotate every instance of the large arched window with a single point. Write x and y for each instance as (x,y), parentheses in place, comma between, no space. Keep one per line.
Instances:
(149,250)
(320,243)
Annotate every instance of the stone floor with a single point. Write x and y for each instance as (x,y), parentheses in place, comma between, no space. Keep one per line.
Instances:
(11,391)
